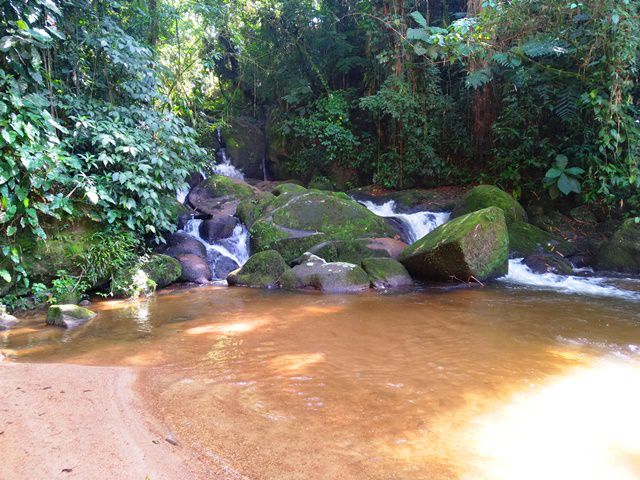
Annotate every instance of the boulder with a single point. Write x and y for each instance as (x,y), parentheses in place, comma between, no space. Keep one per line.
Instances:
(484,196)
(223,266)
(321,182)
(622,252)
(386,273)
(68,316)
(216,228)
(246,144)
(474,246)
(293,223)
(181,243)
(159,271)
(249,210)
(162,269)
(262,270)
(333,277)
(284,188)
(6,321)
(526,239)
(195,269)
(219,195)
(548,263)
(350,251)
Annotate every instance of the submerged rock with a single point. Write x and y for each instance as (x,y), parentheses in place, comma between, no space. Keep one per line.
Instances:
(68,316)
(526,239)
(334,277)
(548,263)
(386,273)
(195,269)
(474,246)
(622,252)
(484,196)
(294,222)
(262,270)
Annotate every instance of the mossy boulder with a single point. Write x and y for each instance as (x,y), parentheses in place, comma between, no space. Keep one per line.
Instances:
(526,239)
(163,270)
(68,316)
(484,196)
(219,195)
(293,223)
(321,183)
(386,273)
(333,277)
(262,270)
(65,248)
(622,252)
(250,209)
(350,251)
(473,246)
(285,188)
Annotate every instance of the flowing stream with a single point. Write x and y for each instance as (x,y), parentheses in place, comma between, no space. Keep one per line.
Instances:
(225,254)
(531,377)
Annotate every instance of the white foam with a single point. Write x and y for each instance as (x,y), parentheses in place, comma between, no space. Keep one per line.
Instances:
(418,224)
(521,274)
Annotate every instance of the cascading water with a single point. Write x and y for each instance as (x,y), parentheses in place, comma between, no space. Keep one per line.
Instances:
(224,255)
(417,225)
(225,167)
(521,274)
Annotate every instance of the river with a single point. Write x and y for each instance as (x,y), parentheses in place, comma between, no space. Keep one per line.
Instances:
(500,382)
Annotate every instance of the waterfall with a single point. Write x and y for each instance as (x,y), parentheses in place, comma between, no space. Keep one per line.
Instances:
(416,225)
(225,167)
(521,274)
(226,254)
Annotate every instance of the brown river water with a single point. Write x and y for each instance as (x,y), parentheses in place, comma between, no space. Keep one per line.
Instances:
(493,383)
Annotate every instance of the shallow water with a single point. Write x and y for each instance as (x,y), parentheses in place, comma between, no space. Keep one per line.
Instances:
(501,382)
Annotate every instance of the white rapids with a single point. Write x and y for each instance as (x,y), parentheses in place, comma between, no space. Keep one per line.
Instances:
(521,274)
(417,224)
(224,253)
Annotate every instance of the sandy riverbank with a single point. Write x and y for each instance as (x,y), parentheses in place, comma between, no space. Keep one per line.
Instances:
(81,422)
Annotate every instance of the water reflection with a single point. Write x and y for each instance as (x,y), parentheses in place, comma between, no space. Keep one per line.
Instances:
(493,383)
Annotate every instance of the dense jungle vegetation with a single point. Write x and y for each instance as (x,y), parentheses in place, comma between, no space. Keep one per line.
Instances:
(107,107)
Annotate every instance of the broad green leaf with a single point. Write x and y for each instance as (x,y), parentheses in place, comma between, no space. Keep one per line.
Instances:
(5,275)
(553,173)
(419,18)
(561,161)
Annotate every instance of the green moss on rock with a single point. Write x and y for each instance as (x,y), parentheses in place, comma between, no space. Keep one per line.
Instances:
(221,186)
(68,316)
(262,270)
(525,239)
(314,273)
(163,270)
(622,252)
(288,188)
(484,196)
(351,251)
(294,222)
(386,273)
(475,245)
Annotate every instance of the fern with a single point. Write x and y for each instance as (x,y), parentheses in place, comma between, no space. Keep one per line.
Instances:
(478,78)
(566,104)
(545,48)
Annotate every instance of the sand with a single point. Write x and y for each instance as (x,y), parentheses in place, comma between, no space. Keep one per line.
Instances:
(61,421)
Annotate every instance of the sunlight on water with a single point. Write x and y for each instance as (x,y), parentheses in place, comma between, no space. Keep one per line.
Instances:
(582,425)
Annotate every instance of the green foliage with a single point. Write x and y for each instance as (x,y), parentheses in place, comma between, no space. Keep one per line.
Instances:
(563,179)
(67,289)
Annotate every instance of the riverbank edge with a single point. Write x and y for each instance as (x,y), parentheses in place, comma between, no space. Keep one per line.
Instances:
(86,422)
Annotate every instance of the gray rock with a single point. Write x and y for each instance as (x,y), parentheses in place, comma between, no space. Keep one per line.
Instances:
(195,269)
(7,321)
(335,277)
(68,316)
(217,228)
(386,273)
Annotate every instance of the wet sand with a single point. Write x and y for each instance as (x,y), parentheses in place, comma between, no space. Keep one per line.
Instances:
(71,421)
